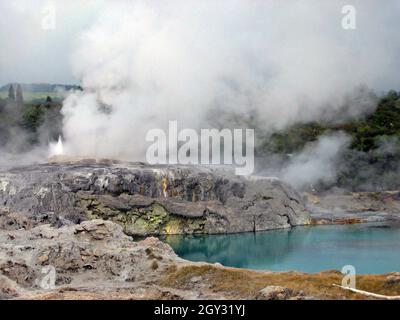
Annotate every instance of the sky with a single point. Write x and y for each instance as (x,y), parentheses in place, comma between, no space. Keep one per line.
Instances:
(31,53)
(31,50)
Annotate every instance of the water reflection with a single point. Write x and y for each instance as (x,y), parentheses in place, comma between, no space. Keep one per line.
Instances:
(370,248)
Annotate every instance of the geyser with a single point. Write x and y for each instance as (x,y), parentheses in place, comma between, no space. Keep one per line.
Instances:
(56,149)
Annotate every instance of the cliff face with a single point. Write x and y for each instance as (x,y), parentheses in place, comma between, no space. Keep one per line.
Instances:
(150,200)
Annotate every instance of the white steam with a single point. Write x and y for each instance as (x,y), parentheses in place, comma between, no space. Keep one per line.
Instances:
(56,148)
(316,163)
(145,63)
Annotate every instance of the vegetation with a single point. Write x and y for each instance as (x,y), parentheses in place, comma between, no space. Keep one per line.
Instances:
(242,284)
(36,97)
(35,93)
(24,123)
(371,162)
(367,134)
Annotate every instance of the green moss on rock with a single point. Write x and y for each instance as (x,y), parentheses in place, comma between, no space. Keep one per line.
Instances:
(150,220)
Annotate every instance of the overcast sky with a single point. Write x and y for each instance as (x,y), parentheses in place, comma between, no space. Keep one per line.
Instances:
(30,53)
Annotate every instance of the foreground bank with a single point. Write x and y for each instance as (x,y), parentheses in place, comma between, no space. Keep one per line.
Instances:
(96,260)
(64,234)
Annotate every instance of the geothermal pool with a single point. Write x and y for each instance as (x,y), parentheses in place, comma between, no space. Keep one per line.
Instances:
(370,248)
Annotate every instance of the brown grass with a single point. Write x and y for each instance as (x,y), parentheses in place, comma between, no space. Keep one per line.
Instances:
(244,284)
(315,222)
(154,265)
(348,221)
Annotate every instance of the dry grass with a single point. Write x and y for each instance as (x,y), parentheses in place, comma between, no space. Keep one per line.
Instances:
(154,265)
(244,284)
(315,222)
(348,221)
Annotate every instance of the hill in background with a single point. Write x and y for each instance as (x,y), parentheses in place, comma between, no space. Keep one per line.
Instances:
(41,87)
(38,92)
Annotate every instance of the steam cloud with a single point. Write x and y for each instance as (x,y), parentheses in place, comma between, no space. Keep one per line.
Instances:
(143,63)
(317,163)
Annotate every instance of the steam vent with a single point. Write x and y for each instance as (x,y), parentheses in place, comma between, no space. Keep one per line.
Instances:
(149,200)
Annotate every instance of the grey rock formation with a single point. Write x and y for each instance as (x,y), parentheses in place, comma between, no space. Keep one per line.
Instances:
(148,200)
(393,278)
(274,293)
(89,257)
(281,293)
(354,207)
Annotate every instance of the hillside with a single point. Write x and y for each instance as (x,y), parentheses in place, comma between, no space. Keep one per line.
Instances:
(40,87)
(371,162)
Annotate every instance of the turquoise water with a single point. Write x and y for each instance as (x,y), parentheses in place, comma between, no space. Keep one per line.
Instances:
(370,248)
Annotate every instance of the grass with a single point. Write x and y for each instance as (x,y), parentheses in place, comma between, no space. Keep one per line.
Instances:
(245,284)
(154,265)
(315,222)
(34,96)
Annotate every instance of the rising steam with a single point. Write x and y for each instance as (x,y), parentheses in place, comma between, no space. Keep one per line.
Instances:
(56,149)
(145,63)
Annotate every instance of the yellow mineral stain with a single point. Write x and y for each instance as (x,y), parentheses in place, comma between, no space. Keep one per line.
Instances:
(164,183)
(172,227)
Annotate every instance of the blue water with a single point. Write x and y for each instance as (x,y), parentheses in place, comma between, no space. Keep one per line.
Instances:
(370,248)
